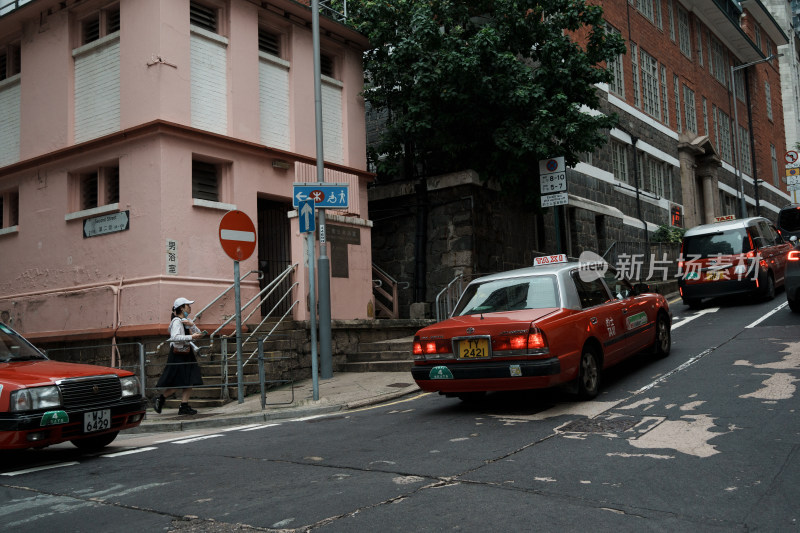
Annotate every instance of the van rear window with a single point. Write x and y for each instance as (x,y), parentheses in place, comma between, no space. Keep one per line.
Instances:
(727,242)
(789,219)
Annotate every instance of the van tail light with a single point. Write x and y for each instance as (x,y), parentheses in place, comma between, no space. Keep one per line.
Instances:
(794,255)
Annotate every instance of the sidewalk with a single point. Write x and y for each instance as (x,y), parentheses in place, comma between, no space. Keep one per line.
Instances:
(345,390)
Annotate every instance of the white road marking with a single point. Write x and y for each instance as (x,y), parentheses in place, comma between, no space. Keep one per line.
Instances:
(696,315)
(40,468)
(204,437)
(173,439)
(684,366)
(240,428)
(130,452)
(261,426)
(763,318)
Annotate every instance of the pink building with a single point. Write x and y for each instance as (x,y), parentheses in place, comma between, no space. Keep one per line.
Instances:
(129,128)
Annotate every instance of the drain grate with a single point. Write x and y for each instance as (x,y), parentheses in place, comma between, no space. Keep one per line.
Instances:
(600,425)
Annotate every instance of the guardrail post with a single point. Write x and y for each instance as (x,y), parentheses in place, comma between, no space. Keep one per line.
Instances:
(261,373)
(141,369)
(224,368)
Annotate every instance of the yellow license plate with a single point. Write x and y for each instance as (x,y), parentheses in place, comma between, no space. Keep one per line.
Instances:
(473,348)
(714,276)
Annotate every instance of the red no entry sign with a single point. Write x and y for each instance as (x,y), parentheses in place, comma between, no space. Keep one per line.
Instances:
(237,235)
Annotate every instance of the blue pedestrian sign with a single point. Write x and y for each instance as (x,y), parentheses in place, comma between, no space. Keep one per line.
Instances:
(324,195)
(306,214)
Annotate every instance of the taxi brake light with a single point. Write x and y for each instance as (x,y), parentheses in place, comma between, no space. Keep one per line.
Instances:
(536,339)
(751,254)
(417,347)
(794,255)
(518,342)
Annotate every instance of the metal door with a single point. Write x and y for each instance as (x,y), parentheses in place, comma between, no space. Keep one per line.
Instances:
(274,251)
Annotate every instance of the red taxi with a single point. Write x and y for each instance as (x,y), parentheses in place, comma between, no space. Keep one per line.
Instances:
(44,402)
(556,323)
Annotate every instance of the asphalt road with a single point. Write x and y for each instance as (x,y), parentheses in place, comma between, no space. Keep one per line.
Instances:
(704,440)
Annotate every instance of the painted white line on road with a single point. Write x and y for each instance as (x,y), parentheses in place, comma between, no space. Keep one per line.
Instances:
(697,315)
(763,318)
(241,428)
(40,468)
(310,417)
(130,452)
(204,437)
(173,439)
(261,427)
(684,366)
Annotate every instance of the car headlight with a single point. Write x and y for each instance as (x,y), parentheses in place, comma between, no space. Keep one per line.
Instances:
(35,398)
(130,386)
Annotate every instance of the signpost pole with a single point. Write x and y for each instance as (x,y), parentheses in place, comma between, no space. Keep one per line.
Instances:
(238,303)
(313,313)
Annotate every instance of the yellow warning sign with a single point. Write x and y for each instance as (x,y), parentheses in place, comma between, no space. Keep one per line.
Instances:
(793,171)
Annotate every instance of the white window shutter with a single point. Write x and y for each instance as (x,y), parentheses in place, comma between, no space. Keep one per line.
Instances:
(273,79)
(209,84)
(332,134)
(9,123)
(97,91)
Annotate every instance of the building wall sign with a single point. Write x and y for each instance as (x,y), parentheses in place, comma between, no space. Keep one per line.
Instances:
(92,227)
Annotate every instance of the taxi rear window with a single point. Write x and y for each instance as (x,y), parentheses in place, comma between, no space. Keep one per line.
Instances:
(535,292)
(728,242)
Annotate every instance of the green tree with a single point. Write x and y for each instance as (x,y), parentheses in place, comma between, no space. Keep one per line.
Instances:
(491,85)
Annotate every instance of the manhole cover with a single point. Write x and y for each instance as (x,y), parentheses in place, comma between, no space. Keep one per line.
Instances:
(399,385)
(600,425)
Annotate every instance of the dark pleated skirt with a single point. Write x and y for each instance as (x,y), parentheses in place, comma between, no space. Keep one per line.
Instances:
(182,370)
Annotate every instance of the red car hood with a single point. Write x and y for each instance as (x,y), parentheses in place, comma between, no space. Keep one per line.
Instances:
(484,324)
(47,372)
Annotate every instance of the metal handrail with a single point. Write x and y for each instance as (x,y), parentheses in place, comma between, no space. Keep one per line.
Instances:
(223,293)
(446,291)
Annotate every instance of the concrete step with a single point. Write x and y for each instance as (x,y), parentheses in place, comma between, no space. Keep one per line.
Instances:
(402,344)
(196,403)
(362,357)
(376,366)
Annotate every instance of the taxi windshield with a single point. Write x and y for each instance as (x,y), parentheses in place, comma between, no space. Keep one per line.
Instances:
(15,348)
(513,294)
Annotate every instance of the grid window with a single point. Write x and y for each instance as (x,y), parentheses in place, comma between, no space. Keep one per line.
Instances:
(9,209)
(671,16)
(269,42)
(97,187)
(619,161)
(699,44)
(744,150)
(705,115)
(204,17)
(617,85)
(646,8)
(657,176)
(635,67)
(775,176)
(768,95)
(99,24)
(650,96)
(684,34)
(10,60)
(758,36)
(205,181)
(676,90)
(724,125)
(665,99)
(326,65)
(738,79)
(690,109)
(718,61)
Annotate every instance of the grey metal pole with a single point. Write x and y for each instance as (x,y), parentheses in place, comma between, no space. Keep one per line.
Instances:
(739,180)
(326,358)
(238,303)
(313,314)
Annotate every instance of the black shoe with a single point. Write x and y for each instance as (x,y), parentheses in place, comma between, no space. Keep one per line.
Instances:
(184,409)
(158,403)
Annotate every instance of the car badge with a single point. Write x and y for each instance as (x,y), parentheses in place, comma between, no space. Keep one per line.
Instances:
(470,330)
(95,389)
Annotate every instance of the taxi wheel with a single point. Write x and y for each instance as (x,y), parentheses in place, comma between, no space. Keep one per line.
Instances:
(769,292)
(93,444)
(663,342)
(589,375)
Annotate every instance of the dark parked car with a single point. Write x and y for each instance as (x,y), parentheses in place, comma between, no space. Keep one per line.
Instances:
(793,277)
(789,221)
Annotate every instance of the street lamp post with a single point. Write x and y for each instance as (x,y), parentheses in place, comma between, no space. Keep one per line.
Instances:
(736,159)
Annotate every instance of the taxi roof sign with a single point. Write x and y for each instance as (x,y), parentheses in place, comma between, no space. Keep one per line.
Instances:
(549,259)
(725,218)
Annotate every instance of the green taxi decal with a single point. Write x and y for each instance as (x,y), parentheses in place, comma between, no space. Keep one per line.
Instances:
(52,418)
(440,372)
(637,320)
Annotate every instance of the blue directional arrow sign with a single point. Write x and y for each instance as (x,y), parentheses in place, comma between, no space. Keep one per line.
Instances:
(324,195)
(306,213)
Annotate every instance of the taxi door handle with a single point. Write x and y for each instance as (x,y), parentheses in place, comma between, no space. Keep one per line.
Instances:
(624,310)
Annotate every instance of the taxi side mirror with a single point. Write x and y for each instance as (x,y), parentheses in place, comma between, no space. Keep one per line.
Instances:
(641,288)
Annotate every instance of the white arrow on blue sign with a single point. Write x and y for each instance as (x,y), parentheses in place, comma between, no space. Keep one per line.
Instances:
(324,195)
(307,216)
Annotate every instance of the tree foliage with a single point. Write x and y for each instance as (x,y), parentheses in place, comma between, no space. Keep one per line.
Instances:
(491,85)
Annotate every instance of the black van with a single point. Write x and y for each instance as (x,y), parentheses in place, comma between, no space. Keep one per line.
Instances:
(789,221)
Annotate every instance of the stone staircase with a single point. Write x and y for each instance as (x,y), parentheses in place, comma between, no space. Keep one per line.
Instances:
(392,355)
